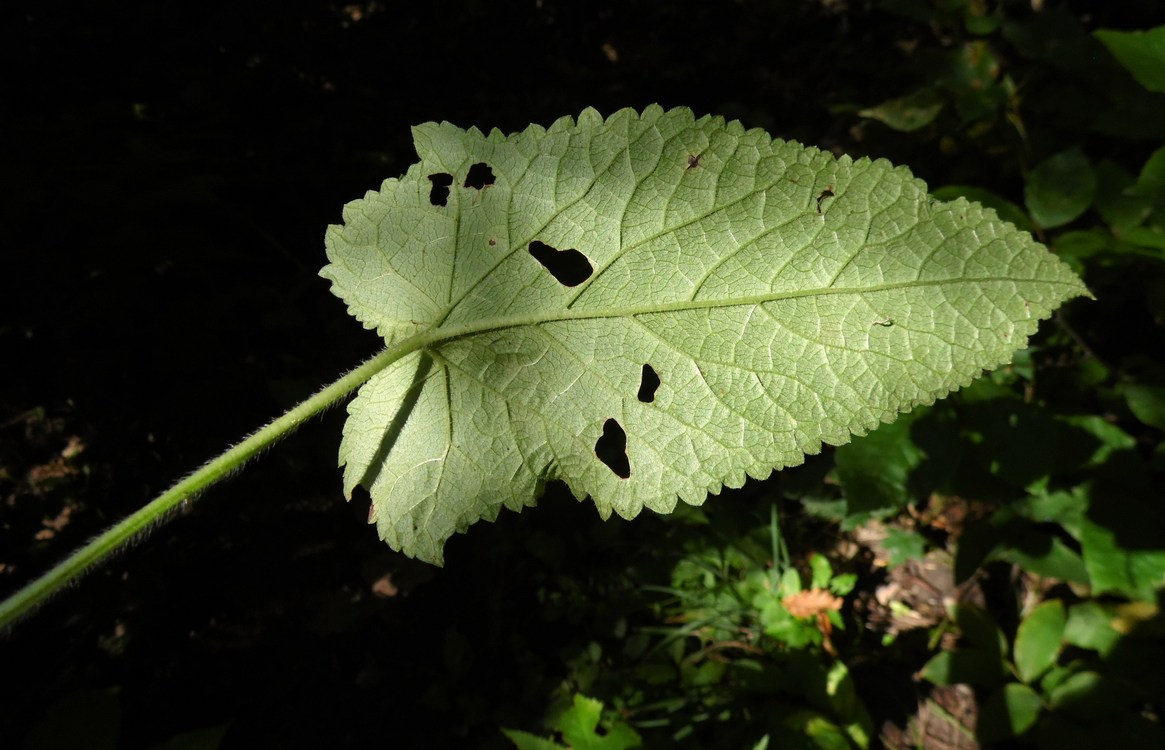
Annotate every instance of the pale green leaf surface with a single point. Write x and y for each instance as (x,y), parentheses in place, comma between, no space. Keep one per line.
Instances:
(1006,210)
(785,299)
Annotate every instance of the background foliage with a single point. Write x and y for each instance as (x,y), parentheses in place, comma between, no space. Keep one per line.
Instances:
(984,568)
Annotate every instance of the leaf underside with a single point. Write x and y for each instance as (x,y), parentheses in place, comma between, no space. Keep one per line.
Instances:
(652,307)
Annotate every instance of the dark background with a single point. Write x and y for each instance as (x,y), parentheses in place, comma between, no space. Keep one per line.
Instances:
(168,170)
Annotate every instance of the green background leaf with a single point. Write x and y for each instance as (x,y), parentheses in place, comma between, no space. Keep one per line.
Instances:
(907,113)
(1151,181)
(782,297)
(1038,641)
(1119,567)
(902,545)
(1141,52)
(1147,403)
(526,741)
(969,666)
(1089,625)
(579,725)
(1060,188)
(874,472)
(1008,712)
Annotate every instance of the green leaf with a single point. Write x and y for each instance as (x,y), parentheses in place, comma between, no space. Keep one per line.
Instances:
(207,738)
(982,663)
(1091,695)
(810,730)
(1038,640)
(527,741)
(1147,403)
(1080,244)
(1145,237)
(1141,52)
(828,688)
(1117,567)
(579,726)
(1043,553)
(843,584)
(790,582)
(902,545)
(1151,181)
(1060,673)
(1107,439)
(970,666)
(978,628)
(971,76)
(980,20)
(652,307)
(1090,626)
(1118,209)
(847,706)
(781,626)
(907,113)
(1008,712)
(874,472)
(1060,188)
(1063,507)
(821,571)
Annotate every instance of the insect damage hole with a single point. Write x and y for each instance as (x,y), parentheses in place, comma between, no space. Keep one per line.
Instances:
(479,176)
(611,448)
(568,267)
(439,195)
(826,193)
(648,382)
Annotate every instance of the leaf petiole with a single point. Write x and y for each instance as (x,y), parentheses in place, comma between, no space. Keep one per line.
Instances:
(101,547)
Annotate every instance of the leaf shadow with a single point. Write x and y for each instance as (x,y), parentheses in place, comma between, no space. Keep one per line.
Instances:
(396,426)
(1125,501)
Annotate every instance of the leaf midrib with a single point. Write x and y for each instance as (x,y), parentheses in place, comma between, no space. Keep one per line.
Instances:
(442,333)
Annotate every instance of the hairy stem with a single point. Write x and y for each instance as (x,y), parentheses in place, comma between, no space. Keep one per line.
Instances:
(212,472)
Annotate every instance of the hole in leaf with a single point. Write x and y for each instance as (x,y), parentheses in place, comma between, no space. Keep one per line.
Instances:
(826,193)
(439,195)
(648,382)
(568,267)
(479,176)
(694,161)
(611,448)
